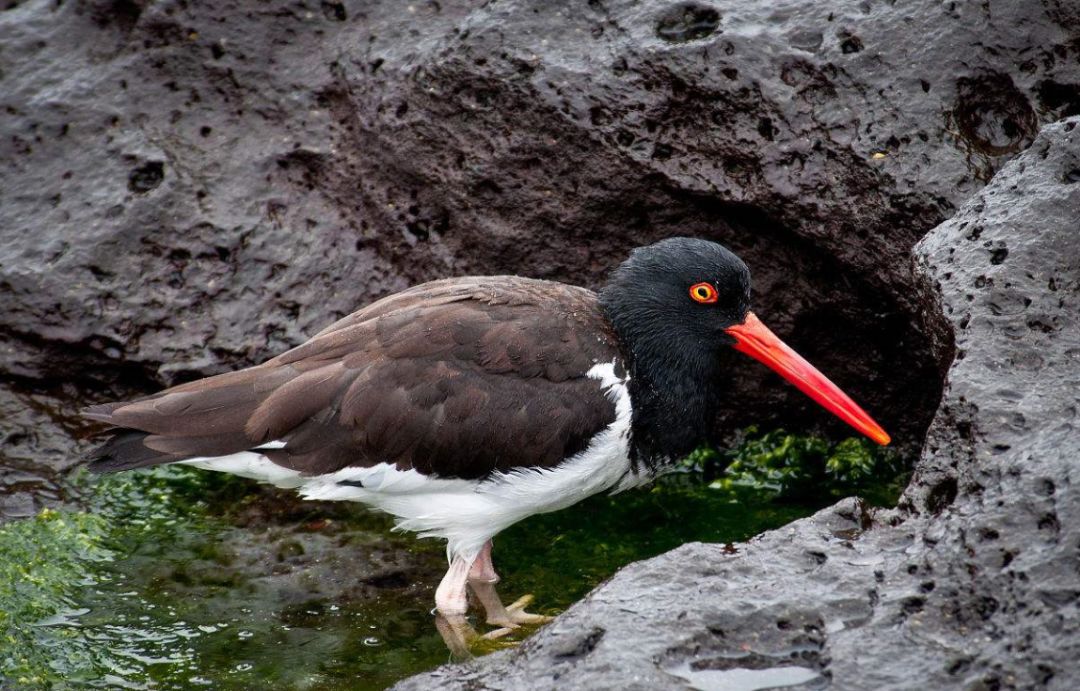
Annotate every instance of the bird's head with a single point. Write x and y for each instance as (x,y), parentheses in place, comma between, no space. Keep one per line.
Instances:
(677,302)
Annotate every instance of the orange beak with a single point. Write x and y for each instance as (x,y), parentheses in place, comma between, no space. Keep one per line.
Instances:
(754,338)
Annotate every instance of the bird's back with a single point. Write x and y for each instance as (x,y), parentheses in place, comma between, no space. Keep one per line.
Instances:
(457,378)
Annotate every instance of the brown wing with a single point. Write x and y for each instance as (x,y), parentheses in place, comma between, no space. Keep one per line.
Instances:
(455,378)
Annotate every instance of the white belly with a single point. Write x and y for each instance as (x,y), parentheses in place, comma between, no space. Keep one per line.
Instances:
(466,513)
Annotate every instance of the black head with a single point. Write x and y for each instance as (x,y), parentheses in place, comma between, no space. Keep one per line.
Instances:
(670,304)
(675,298)
(674,306)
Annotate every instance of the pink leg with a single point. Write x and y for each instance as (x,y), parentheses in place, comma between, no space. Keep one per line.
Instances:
(458,635)
(483,571)
(451,601)
(482,579)
(451,597)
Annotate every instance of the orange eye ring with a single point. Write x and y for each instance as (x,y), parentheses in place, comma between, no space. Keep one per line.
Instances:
(704,293)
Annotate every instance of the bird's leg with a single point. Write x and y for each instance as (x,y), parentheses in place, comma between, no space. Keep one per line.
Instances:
(457,633)
(451,603)
(482,579)
(451,597)
(483,570)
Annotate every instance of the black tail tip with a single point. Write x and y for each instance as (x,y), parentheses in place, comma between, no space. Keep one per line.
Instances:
(125,450)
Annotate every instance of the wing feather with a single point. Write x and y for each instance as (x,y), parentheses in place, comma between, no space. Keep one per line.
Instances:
(456,378)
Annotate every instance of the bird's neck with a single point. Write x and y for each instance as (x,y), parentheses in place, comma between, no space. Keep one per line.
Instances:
(674,397)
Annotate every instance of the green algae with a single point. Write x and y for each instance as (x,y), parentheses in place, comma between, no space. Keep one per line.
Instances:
(804,468)
(162,580)
(43,565)
(52,563)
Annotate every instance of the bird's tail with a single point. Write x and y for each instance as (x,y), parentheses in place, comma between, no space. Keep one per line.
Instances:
(201,419)
(125,450)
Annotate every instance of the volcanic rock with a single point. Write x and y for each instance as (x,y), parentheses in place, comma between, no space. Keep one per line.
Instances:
(188,187)
(970,583)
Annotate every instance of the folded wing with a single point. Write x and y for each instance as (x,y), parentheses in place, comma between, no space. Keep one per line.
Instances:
(455,378)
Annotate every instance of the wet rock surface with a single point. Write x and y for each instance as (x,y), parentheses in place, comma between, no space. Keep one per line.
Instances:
(287,550)
(190,188)
(970,583)
(37,432)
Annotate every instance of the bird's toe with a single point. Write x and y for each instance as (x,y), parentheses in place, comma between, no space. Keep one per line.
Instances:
(515,614)
(498,633)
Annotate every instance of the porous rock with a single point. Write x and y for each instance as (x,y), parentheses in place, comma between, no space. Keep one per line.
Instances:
(970,583)
(190,187)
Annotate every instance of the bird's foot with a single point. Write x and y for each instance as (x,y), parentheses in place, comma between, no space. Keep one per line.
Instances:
(506,617)
(463,640)
(457,633)
(496,634)
(514,615)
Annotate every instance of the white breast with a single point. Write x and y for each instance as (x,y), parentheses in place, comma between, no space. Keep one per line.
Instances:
(466,513)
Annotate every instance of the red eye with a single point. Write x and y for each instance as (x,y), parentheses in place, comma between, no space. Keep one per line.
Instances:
(703,292)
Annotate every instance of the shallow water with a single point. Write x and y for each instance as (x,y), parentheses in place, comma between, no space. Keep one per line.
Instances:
(178,579)
(741,679)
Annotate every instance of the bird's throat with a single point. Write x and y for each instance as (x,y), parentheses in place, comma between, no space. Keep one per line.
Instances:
(674,403)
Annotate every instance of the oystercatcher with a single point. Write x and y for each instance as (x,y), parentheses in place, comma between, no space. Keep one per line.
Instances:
(464,405)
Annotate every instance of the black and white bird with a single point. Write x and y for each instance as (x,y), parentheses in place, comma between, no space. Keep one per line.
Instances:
(464,405)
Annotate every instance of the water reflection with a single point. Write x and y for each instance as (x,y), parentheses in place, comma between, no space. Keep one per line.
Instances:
(209,581)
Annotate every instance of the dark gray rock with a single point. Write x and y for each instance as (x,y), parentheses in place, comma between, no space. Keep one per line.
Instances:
(37,430)
(186,188)
(971,583)
(190,187)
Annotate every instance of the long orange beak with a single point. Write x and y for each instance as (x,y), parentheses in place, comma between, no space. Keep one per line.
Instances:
(754,338)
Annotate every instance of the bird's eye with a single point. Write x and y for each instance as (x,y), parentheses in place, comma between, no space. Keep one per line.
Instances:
(703,292)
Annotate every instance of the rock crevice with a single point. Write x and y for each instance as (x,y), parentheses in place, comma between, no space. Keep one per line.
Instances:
(970,582)
(191,187)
